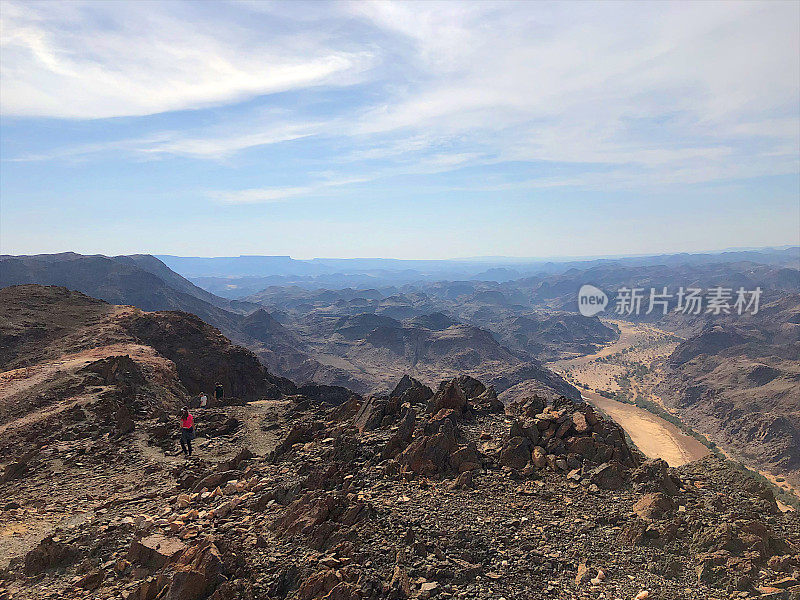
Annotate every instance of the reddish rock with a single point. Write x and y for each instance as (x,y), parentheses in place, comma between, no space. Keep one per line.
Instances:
(516,453)
(653,506)
(155,550)
(197,573)
(449,395)
(91,581)
(318,585)
(608,476)
(539,457)
(50,552)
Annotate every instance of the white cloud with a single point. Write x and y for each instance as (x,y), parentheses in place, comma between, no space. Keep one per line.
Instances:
(144,60)
(650,92)
(259,195)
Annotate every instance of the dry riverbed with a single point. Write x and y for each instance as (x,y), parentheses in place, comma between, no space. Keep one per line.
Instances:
(630,366)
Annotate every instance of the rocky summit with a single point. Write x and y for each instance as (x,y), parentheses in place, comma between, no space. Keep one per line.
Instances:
(312,492)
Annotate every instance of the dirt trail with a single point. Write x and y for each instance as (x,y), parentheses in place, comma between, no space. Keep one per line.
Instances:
(253,416)
(19,380)
(44,414)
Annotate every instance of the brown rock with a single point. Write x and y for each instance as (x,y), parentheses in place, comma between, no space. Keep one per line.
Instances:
(400,438)
(608,476)
(653,506)
(400,585)
(516,453)
(91,581)
(50,552)
(632,534)
(539,457)
(449,395)
(412,391)
(579,422)
(654,475)
(318,585)
(370,415)
(466,458)
(198,572)
(488,402)
(784,583)
(583,576)
(344,591)
(155,550)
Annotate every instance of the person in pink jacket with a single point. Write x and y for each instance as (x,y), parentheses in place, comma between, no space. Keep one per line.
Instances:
(187,430)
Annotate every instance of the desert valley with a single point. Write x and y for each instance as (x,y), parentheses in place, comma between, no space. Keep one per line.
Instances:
(399,300)
(357,423)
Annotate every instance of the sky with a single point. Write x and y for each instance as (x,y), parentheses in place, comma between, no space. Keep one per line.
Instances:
(398,129)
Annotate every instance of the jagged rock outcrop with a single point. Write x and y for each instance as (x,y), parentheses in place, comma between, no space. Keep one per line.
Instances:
(567,437)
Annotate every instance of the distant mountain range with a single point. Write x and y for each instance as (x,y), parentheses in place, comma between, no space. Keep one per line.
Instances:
(236,277)
(735,379)
(145,282)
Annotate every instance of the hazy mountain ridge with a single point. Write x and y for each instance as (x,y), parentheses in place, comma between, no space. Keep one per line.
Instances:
(236,277)
(300,354)
(738,380)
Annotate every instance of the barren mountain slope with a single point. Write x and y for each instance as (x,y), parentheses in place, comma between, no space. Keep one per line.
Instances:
(145,282)
(418,494)
(378,350)
(50,336)
(738,381)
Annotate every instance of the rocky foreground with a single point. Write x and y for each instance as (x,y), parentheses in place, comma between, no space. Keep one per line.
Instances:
(416,495)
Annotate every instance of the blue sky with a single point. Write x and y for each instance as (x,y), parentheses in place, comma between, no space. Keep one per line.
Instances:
(407,130)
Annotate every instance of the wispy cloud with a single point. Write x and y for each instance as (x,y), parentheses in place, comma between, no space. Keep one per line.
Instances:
(683,92)
(149,58)
(260,195)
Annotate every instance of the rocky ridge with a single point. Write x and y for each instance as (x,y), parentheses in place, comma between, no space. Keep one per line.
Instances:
(312,492)
(421,494)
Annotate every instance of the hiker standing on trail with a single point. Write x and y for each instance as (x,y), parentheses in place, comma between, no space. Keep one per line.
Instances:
(218,393)
(187,431)
(203,400)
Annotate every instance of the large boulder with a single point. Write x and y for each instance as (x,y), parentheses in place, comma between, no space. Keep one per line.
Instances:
(400,438)
(197,573)
(608,476)
(449,395)
(430,454)
(155,550)
(516,453)
(471,387)
(370,415)
(324,518)
(488,402)
(654,475)
(653,506)
(412,391)
(50,552)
